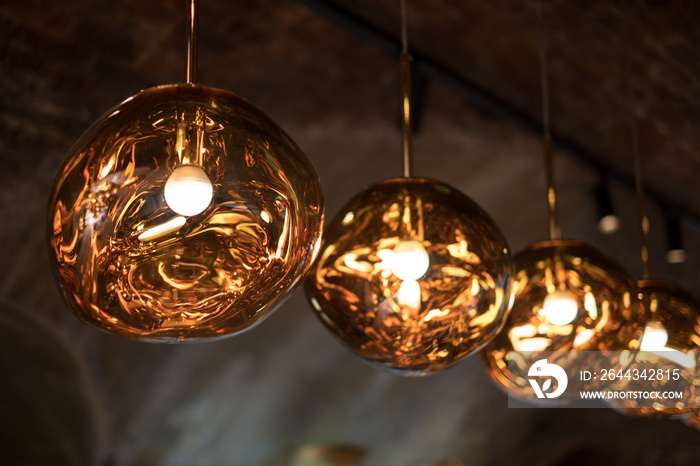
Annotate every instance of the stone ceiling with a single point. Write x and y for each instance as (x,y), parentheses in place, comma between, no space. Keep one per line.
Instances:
(73,395)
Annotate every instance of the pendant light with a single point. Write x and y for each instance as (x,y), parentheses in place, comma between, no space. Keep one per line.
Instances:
(567,298)
(413,275)
(671,345)
(671,342)
(184,213)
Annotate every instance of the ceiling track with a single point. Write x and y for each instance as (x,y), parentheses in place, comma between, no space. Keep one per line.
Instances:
(424,66)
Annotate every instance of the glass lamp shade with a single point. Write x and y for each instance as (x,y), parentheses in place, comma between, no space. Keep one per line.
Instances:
(671,343)
(566,297)
(184,213)
(413,276)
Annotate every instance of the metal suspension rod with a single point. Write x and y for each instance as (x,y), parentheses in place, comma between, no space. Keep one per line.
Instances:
(554,229)
(638,185)
(406,96)
(191,74)
(483,98)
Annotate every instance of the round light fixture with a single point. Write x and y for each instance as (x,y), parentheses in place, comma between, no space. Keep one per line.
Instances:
(413,276)
(670,347)
(183,213)
(566,297)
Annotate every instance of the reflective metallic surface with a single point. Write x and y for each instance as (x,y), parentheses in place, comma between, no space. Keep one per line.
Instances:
(671,342)
(609,316)
(127,263)
(438,316)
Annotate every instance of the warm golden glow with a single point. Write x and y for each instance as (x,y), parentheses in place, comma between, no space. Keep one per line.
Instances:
(170,222)
(671,342)
(409,260)
(560,307)
(567,297)
(655,337)
(591,307)
(397,283)
(163,229)
(409,295)
(188,190)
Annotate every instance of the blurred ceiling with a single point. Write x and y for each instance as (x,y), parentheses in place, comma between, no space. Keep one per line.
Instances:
(327,72)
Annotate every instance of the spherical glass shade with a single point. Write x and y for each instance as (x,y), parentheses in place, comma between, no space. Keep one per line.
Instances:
(413,276)
(566,297)
(184,213)
(671,343)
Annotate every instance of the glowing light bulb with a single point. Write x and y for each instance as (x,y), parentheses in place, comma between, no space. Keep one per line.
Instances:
(560,307)
(134,202)
(609,224)
(410,260)
(655,337)
(188,191)
(676,256)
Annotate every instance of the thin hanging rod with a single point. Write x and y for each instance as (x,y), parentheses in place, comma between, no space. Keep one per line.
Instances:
(191,74)
(407,145)
(554,229)
(482,98)
(639,189)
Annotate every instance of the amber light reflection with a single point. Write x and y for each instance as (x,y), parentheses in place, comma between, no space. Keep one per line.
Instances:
(142,262)
(413,276)
(671,343)
(600,312)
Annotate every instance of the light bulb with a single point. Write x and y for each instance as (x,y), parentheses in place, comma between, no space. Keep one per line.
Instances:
(655,337)
(188,190)
(560,307)
(609,224)
(675,256)
(409,260)
(670,344)
(593,309)
(130,257)
(414,307)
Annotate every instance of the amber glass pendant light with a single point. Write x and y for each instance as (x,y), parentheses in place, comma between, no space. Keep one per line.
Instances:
(413,276)
(671,342)
(567,297)
(671,345)
(184,213)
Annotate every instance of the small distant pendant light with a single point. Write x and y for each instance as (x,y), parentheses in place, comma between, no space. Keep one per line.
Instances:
(566,296)
(675,252)
(608,221)
(184,213)
(413,276)
(671,340)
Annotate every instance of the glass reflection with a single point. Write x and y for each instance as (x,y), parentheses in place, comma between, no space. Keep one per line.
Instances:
(413,276)
(671,342)
(566,297)
(185,213)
